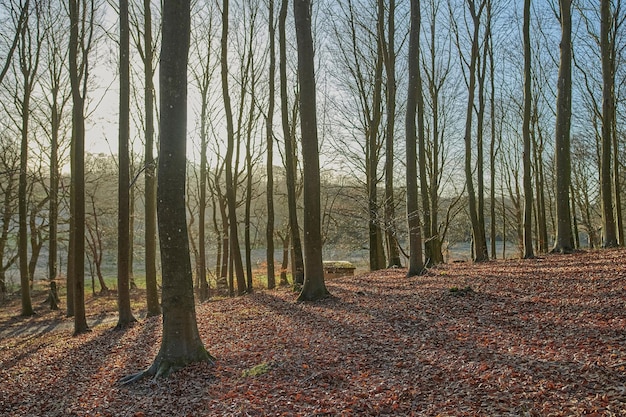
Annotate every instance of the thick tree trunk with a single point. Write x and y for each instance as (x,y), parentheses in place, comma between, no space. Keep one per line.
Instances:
(181,343)
(314,287)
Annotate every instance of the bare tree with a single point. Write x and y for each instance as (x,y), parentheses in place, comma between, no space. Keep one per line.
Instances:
(416,263)
(181,343)
(203,72)
(607,49)
(29,52)
(269,121)
(235,251)
(81,36)
(125,316)
(297,266)
(564,242)
(314,287)
(479,240)
(57,95)
(526,156)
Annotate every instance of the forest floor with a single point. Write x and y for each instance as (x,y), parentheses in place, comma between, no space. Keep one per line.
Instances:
(538,337)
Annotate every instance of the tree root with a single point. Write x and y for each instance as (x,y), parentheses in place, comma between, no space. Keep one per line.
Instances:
(163,368)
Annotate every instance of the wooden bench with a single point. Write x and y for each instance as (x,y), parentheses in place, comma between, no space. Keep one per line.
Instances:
(335,269)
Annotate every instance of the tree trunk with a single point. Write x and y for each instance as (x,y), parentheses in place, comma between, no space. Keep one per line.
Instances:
(125,316)
(528,188)
(269,229)
(27,307)
(29,48)
(152,293)
(297,266)
(389,54)
(78,73)
(564,242)
(416,264)
(181,343)
(53,206)
(376,252)
(479,240)
(314,287)
(235,251)
(617,189)
(285,262)
(608,220)
(433,235)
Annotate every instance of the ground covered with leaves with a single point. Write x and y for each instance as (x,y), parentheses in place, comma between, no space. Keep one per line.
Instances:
(541,337)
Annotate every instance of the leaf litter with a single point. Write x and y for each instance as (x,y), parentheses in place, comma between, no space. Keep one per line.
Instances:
(538,337)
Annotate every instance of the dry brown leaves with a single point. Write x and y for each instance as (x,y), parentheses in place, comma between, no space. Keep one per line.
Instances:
(532,337)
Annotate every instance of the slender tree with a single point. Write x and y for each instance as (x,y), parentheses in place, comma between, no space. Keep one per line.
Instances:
(528,188)
(297,266)
(436,71)
(78,48)
(478,231)
(28,53)
(235,251)
(608,112)
(181,343)
(9,166)
(416,263)
(125,316)
(153,306)
(57,97)
(377,254)
(269,122)
(314,287)
(564,242)
(203,72)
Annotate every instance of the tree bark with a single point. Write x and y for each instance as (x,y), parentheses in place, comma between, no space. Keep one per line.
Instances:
(78,74)
(478,232)
(125,314)
(314,287)
(416,264)
(528,189)
(181,343)
(235,251)
(389,53)
(269,230)
(608,112)
(27,70)
(297,266)
(564,242)
(152,294)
